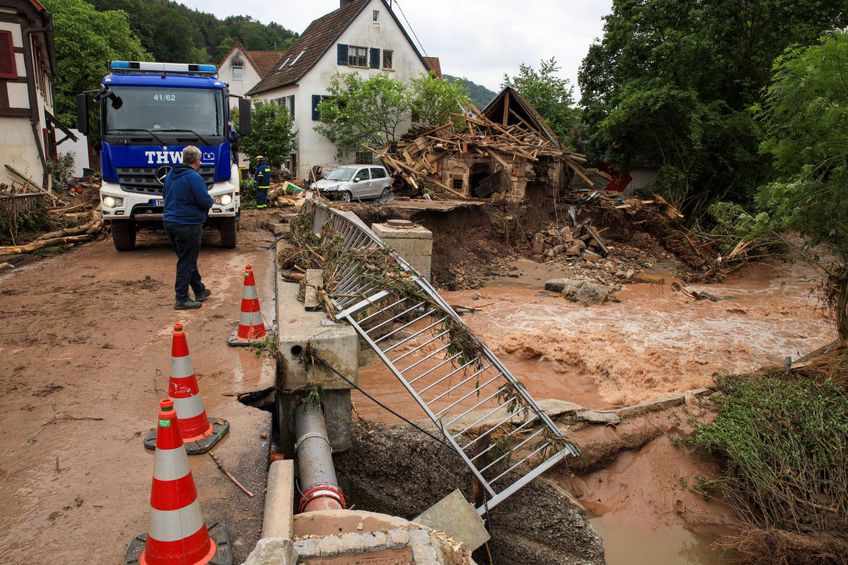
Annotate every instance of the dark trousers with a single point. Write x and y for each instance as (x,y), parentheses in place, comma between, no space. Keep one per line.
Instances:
(185,239)
(262,196)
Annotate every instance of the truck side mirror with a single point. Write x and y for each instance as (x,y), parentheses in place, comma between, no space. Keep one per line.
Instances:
(244,116)
(82,113)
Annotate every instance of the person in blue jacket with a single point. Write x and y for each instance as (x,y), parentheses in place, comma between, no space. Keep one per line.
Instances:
(263,181)
(187,204)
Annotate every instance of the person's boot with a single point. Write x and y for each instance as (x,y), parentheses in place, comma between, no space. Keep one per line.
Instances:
(203,295)
(187,304)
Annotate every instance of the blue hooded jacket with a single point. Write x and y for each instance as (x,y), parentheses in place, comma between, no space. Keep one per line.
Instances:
(186,199)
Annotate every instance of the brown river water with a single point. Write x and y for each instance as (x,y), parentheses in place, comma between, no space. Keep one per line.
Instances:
(653,342)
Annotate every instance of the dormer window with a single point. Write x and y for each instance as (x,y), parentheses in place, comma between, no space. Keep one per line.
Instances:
(237,64)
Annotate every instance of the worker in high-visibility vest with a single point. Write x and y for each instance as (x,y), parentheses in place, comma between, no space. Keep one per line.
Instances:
(262,176)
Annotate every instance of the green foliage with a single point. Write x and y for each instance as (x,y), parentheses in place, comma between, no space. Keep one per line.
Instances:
(14,225)
(806,119)
(62,170)
(479,94)
(433,100)
(671,83)
(86,40)
(271,135)
(361,113)
(173,32)
(783,446)
(551,95)
(364,112)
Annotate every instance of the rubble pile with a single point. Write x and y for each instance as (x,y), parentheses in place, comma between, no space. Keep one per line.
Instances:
(429,158)
(70,218)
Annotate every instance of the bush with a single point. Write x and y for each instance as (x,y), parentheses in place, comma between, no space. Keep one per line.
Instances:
(783,448)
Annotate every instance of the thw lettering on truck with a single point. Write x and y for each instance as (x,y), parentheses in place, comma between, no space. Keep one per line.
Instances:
(166,157)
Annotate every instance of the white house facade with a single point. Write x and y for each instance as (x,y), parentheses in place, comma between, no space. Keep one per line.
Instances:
(362,36)
(27,69)
(243,69)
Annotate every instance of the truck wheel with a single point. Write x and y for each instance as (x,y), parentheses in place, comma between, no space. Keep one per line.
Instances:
(123,235)
(228,233)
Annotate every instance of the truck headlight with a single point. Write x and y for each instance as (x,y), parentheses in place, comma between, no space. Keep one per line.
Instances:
(224,200)
(112,201)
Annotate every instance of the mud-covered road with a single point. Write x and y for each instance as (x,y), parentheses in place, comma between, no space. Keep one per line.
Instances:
(84,359)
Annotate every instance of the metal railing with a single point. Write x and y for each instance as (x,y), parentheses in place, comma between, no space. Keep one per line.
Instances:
(483,411)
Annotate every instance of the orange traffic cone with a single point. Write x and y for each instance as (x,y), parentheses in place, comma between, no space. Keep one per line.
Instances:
(199,432)
(176,533)
(251,327)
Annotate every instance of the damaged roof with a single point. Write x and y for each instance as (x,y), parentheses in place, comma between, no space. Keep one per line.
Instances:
(318,38)
(509,108)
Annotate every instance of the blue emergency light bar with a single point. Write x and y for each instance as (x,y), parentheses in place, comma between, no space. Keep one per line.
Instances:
(144,67)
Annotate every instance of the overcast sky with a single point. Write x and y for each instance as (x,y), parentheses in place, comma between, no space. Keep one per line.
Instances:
(479,39)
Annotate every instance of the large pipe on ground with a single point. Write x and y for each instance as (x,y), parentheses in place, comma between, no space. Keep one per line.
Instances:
(315,461)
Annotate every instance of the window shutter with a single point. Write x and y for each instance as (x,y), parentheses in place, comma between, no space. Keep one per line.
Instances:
(291,105)
(8,68)
(375,58)
(342,54)
(316,115)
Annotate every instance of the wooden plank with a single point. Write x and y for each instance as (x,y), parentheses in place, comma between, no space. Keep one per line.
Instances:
(32,183)
(314,281)
(506,109)
(597,238)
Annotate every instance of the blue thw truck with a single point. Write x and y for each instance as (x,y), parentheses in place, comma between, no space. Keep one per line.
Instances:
(148,113)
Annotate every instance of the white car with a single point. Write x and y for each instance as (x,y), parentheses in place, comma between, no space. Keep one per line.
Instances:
(355,182)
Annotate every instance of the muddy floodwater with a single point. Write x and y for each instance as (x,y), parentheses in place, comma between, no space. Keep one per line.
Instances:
(653,342)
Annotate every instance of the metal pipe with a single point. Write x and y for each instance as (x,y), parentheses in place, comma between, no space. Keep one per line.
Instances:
(315,458)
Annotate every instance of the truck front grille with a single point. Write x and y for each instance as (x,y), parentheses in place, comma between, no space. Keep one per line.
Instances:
(143,180)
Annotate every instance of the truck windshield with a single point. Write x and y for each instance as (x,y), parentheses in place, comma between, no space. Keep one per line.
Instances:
(161,110)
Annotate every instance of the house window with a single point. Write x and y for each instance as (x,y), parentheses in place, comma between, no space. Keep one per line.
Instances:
(357,56)
(364,158)
(317,99)
(387,59)
(375,16)
(8,69)
(457,184)
(238,73)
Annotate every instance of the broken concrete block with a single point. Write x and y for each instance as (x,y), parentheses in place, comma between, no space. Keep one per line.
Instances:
(538,244)
(591,256)
(599,417)
(582,291)
(457,518)
(273,551)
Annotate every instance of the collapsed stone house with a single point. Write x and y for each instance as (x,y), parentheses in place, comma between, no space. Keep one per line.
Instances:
(495,154)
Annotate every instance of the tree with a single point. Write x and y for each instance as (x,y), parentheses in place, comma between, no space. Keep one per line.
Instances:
(551,95)
(716,54)
(364,112)
(86,40)
(434,100)
(271,134)
(806,122)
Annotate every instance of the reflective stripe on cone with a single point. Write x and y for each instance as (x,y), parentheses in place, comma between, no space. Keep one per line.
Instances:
(176,531)
(183,389)
(251,326)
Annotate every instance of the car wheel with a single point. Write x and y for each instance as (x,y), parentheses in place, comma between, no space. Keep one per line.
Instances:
(346,196)
(386,192)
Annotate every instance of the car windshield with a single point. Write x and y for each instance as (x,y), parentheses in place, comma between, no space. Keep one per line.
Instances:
(341,173)
(160,110)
